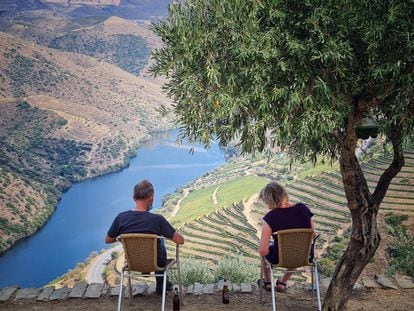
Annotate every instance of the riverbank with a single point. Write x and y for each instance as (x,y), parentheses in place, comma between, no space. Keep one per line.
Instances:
(79,224)
(50,193)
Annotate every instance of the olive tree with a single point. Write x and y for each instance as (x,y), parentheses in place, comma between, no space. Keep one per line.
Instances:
(301,74)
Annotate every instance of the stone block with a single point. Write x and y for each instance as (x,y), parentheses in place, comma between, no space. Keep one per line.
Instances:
(27,293)
(357,286)
(94,290)
(151,289)
(219,285)
(60,293)
(236,288)
(246,287)
(198,289)
(115,291)
(368,283)
(78,290)
(385,282)
(404,281)
(189,289)
(208,289)
(45,294)
(7,292)
(139,289)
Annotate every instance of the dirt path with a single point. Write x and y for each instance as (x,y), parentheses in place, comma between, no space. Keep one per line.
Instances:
(214,195)
(178,205)
(248,212)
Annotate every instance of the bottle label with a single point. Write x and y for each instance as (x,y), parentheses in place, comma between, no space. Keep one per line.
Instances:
(226,297)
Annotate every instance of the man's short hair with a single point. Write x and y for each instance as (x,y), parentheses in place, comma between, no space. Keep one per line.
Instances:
(143,190)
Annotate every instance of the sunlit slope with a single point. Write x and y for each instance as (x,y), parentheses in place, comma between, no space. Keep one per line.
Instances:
(102,96)
(64,117)
(200,202)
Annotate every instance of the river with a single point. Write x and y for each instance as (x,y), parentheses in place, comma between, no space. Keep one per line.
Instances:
(85,212)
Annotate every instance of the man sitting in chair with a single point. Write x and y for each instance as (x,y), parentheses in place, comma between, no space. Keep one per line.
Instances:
(140,220)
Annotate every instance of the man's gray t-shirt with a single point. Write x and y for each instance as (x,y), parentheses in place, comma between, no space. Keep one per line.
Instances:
(143,222)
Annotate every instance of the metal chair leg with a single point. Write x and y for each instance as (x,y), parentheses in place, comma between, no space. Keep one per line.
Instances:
(164,287)
(261,280)
(180,284)
(312,280)
(272,282)
(121,285)
(318,293)
(130,288)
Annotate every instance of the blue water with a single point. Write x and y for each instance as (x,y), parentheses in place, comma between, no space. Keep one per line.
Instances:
(86,211)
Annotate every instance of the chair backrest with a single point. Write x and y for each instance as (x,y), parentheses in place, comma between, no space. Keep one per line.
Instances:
(140,252)
(294,246)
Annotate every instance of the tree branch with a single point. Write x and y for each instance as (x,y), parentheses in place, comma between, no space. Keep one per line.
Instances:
(394,168)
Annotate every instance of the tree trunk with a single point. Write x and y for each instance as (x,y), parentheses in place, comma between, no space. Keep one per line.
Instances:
(364,206)
(364,242)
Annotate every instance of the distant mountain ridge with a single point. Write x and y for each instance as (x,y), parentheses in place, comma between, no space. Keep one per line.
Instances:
(129,9)
(86,2)
(21,5)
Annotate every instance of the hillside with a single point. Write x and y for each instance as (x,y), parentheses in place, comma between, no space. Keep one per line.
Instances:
(65,116)
(235,222)
(117,41)
(35,167)
(220,214)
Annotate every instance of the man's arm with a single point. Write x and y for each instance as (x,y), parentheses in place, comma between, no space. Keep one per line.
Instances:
(109,240)
(177,238)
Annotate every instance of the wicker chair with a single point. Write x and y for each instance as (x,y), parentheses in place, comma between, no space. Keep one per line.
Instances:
(141,256)
(294,247)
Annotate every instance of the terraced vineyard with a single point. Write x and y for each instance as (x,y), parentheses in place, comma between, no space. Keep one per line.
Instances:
(216,234)
(206,200)
(234,227)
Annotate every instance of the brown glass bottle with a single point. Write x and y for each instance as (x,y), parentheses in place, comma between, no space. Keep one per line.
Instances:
(225,293)
(176,301)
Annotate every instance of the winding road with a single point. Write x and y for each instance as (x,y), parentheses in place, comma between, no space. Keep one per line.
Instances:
(99,263)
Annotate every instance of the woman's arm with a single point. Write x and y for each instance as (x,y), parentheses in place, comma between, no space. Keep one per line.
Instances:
(264,241)
(313,227)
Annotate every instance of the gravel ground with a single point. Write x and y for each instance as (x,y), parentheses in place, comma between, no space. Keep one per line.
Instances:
(363,300)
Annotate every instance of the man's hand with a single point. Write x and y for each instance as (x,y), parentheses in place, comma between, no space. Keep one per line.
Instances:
(109,240)
(177,238)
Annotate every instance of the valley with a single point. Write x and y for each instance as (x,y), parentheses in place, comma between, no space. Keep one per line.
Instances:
(75,102)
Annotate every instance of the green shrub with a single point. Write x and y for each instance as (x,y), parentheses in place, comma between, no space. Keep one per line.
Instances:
(233,268)
(335,251)
(394,220)
(192,271)
(402,245)
(327,266)
(402,254)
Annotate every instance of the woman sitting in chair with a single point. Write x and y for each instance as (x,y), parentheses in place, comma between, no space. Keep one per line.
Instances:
(282,215)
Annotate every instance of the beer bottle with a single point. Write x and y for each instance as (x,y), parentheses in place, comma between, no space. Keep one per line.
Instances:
(176,300)
(225,293)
